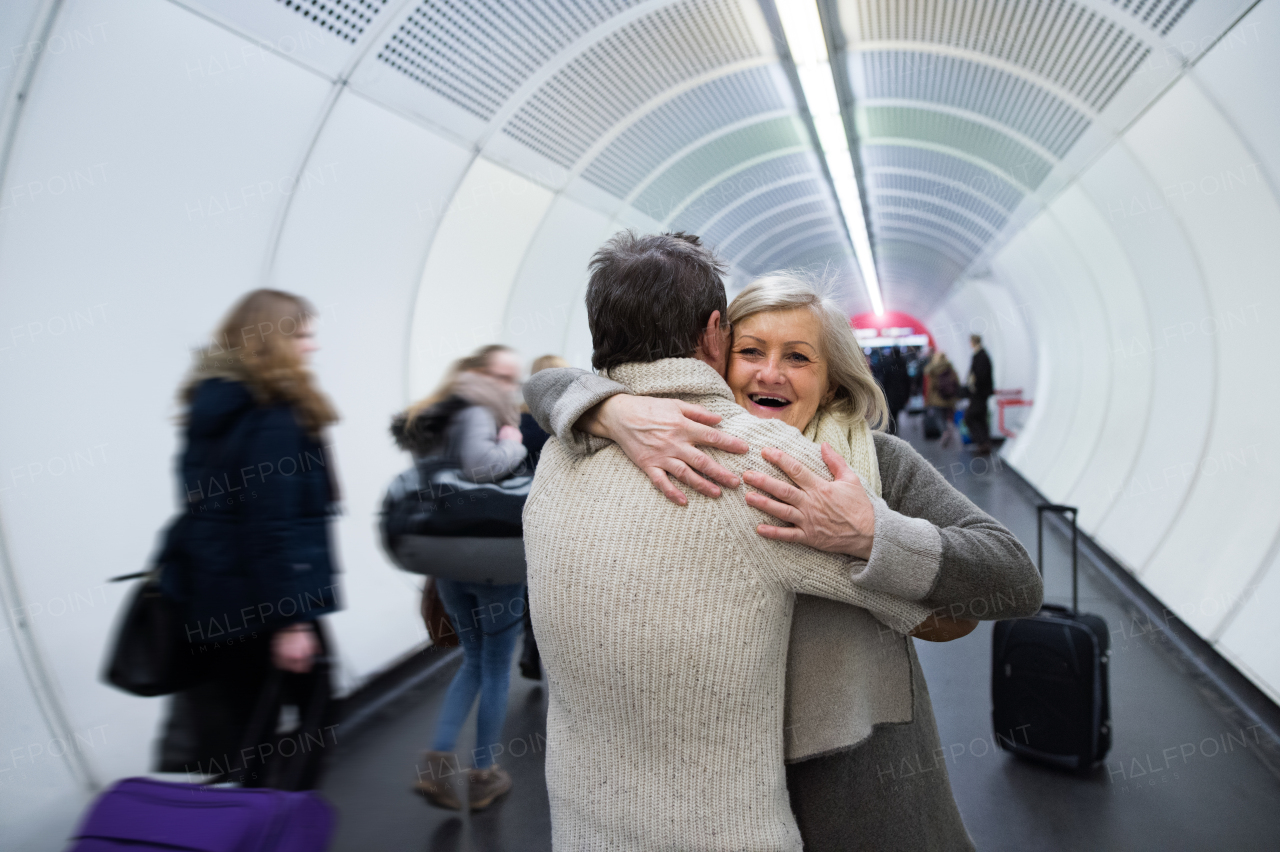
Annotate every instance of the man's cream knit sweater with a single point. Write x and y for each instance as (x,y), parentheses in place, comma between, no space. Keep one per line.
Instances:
(664,633)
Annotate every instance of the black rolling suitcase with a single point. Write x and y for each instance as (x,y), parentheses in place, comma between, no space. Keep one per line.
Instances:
(1049,692)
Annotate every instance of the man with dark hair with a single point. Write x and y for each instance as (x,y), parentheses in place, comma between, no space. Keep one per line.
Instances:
(981,387)
(650,297)
(664,629)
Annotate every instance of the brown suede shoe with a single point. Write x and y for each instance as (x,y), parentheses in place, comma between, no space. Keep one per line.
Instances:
(485,785)
(437,775)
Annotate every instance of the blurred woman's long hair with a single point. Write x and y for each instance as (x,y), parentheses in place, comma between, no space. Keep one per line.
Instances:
(477,361)
(255,343)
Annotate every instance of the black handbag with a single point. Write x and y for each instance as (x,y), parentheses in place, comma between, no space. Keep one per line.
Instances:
(151,654)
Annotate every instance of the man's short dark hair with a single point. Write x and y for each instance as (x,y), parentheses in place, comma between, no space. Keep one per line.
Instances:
(650,297)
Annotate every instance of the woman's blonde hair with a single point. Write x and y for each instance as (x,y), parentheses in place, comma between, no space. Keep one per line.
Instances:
(478,361)
(857,395)
(254,343)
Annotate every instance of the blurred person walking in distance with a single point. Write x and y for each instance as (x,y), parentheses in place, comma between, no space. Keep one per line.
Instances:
(941,392)
(897,386)
(257,568)
(981,386)
(471,423)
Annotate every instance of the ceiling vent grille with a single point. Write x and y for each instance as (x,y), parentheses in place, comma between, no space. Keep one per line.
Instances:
(1058,40)
(832,250)
(979,180)
(976,229)
(926,258)
(1160,15)
(822,250)
(907,255)
(778,252)
(476,53)
(700,166)
(680,122)
(624,70)
(726,193)
(955,82)
(971,244)
(881,181)
(759,205)
(978,140)
(346,19)
(744,241)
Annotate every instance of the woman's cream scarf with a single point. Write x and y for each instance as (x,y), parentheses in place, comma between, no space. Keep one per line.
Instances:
(853,441)
(846,673)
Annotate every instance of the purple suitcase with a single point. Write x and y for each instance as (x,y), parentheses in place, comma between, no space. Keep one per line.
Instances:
(140,813)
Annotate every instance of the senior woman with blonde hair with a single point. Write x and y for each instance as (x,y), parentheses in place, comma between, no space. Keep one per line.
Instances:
(865,768)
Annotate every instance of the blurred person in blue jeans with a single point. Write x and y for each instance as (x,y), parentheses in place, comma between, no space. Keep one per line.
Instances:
(471,423)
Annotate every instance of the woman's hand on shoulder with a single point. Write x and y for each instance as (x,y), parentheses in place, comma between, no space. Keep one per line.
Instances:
(510,433)
(662,437)
(836,516)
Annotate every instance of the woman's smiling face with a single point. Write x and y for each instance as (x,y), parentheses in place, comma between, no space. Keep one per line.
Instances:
(776,368)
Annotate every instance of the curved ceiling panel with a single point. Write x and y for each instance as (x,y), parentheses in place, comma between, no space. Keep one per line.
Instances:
(940,210)
(951,193)
(679,111)
(1066,43)
(746,239)
(917,257)
(944,167)
(1000,96)
(831,252)
(664,194)
(946,240)
(620,72)
(477,59)
(970,116)
(1005,154)
(737,219)
(733,188)
(645,145)
(797,242)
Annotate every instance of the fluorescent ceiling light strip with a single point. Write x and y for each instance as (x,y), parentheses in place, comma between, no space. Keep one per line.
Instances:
(808,47)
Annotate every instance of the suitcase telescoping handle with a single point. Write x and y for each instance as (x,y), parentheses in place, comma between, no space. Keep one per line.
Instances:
(1059,510)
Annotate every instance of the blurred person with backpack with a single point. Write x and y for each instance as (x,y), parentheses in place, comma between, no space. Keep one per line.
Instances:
(942,391)
(471,424)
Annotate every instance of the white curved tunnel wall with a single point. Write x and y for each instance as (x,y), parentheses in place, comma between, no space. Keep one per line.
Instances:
(1150,289)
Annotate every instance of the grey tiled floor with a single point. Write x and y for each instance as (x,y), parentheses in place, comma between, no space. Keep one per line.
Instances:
(1177,777)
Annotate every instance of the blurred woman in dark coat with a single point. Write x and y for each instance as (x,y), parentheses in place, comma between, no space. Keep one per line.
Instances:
(252,562)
